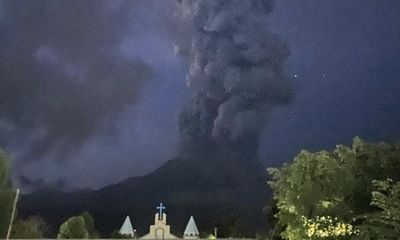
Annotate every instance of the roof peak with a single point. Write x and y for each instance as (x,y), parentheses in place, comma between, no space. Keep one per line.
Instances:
(126,227)
(191,228)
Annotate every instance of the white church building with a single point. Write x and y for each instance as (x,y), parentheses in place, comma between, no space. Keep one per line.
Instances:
(160,229)
(191,231)
(127,229)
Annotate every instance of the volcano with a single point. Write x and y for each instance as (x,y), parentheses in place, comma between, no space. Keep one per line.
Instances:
(215,185)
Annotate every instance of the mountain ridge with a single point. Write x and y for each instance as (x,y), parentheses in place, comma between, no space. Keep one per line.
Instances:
(217,188)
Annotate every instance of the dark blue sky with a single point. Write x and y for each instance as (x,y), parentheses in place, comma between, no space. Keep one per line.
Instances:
(347,57)
(345,54)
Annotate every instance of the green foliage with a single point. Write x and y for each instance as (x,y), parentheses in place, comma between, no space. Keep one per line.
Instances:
(81,226)
(90,226)
(335,184)
(327,227)
(74,227)
(6,195)
(33,227)
(385,222)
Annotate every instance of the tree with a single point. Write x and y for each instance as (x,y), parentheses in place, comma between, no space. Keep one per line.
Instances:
(90,226)
(32,227)
(6,195)
(330,186)
(81,226)
(385,222)
(74,227)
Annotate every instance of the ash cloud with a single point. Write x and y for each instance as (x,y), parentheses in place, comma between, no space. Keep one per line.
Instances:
(62,75)
(66,78)
(237,68)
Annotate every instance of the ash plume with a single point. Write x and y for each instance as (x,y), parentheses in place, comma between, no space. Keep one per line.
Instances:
(62,75)
(237,68)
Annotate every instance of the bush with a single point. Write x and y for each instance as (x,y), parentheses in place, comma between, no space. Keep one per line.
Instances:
(33,227)
(74,227)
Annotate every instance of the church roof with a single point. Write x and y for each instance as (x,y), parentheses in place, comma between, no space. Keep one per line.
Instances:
(191,228)
(126,227)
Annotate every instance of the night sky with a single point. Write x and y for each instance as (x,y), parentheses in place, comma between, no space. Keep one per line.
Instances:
(91,91)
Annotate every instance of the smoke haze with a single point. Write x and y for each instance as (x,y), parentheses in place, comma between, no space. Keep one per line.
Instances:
(63,77)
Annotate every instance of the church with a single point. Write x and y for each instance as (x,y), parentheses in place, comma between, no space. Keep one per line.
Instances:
(160,229)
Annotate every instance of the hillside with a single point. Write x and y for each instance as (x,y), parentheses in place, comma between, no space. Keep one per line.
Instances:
(215,187)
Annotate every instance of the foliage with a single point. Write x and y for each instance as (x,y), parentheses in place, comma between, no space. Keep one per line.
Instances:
(385,222)
(90,226)
(81,226)
(32,227)
(335,184)
(6,195)
(327,227)
(274,229)
(74,227)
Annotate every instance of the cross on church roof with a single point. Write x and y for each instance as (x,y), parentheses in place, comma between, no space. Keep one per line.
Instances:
(160,208)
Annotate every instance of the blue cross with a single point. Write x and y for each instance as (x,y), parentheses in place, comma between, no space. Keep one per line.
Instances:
(160,208)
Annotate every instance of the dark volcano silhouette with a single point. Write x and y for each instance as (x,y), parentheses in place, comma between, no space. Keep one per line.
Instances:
(221,186)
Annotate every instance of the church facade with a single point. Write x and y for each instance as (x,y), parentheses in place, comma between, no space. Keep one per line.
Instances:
(161,230)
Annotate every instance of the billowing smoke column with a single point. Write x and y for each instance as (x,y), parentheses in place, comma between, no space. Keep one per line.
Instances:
(236,68)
